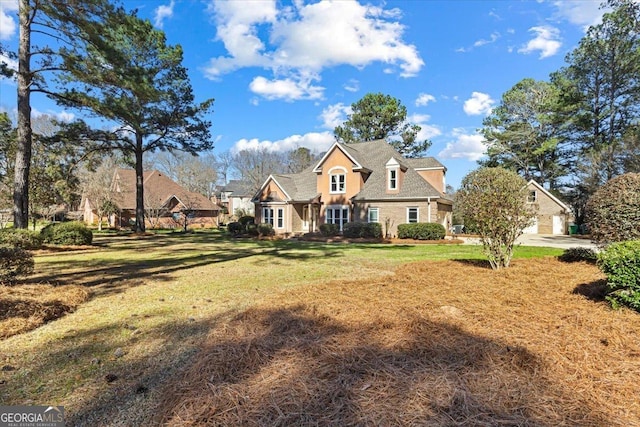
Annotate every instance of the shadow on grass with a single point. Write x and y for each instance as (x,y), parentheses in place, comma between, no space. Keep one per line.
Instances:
(290,366)
(166,257)
(479,263)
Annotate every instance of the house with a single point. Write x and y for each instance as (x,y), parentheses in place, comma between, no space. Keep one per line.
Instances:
(165,202)
(236,195)
(552,215)
(360,182)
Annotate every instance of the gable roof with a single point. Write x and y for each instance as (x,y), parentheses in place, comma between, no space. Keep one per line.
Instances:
(238,188)
(158,189)
(370,156)
(548,194)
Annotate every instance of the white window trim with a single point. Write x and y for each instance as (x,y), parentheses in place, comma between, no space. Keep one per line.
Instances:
(341,208)
(377,210)
(417,214)
(279,220)
(535,196)
(394,180)
(267,215)
(338,171)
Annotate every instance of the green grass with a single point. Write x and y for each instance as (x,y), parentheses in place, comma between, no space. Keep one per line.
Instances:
(157,296)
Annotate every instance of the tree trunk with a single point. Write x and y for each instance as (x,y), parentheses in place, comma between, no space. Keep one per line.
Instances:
(23,152)
(140,226)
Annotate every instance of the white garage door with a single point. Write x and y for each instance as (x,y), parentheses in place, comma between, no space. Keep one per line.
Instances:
(558,224)
(533,228)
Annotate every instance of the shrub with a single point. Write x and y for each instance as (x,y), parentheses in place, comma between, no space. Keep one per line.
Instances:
(579,254)
(421,231)
(14,262)
(365,230)
(493,203)
(235,228)
(265,229)
(252,229)
(67,233)
(613,212)
(328,230)
(20,238)
(246,220)
(620,262)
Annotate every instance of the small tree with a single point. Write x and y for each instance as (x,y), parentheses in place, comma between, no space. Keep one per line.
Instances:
(495,200)
(613,211)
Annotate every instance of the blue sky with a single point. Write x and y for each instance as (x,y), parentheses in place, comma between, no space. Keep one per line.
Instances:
(284,73)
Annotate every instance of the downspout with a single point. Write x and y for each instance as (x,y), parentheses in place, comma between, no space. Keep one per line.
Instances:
(428,209)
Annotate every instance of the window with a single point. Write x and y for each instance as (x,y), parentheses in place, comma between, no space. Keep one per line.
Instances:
(412,215)
(280,218)
(267,215)
(393,179)
(337,215)
(373,215)
(338,183)
(533,196)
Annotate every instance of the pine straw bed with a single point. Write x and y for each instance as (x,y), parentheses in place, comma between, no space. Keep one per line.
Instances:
(26,307)
(441,343)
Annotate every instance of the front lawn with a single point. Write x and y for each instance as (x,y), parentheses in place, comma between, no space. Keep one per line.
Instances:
(203,329)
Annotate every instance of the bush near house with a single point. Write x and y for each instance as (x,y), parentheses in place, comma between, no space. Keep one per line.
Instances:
(421,231)
(67,233)
(14,262)
(265,229)
(20,238)
(235,228)
(365,230)
(620,262)
(579,254)
(328,230)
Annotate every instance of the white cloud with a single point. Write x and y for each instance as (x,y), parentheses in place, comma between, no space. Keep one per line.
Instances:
(547,41)
(8,25)
(62,116)
(352,85)
(289,89)
(582,13)
(163,12)
(479,103)
(317,142)
(334,115)
(492,39)
(464,146)
(303,39)
(11,63)
(427,131)
(424,99)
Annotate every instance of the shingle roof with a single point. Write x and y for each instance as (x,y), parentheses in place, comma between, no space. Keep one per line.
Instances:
(238,188)
(373,156)
(158,188)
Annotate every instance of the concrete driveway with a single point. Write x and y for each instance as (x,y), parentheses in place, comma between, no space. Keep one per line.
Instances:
(548,240)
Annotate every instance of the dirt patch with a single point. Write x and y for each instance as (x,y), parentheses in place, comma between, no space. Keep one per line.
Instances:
(441,343)
(26,307)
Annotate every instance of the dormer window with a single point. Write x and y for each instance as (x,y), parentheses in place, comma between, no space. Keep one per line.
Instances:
(393,168)
(393,179)
(337,180)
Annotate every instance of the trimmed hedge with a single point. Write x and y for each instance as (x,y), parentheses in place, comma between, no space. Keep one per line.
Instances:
(20,238)
(67,233)
(421,231)
(328,230)
(265,229)
(235,228)
(620,262)
(365,230)
(14,262)
(579,254)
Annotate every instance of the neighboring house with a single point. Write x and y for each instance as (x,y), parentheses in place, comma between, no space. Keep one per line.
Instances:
(361,182)
(165,202)
(552,216)
(236,195)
